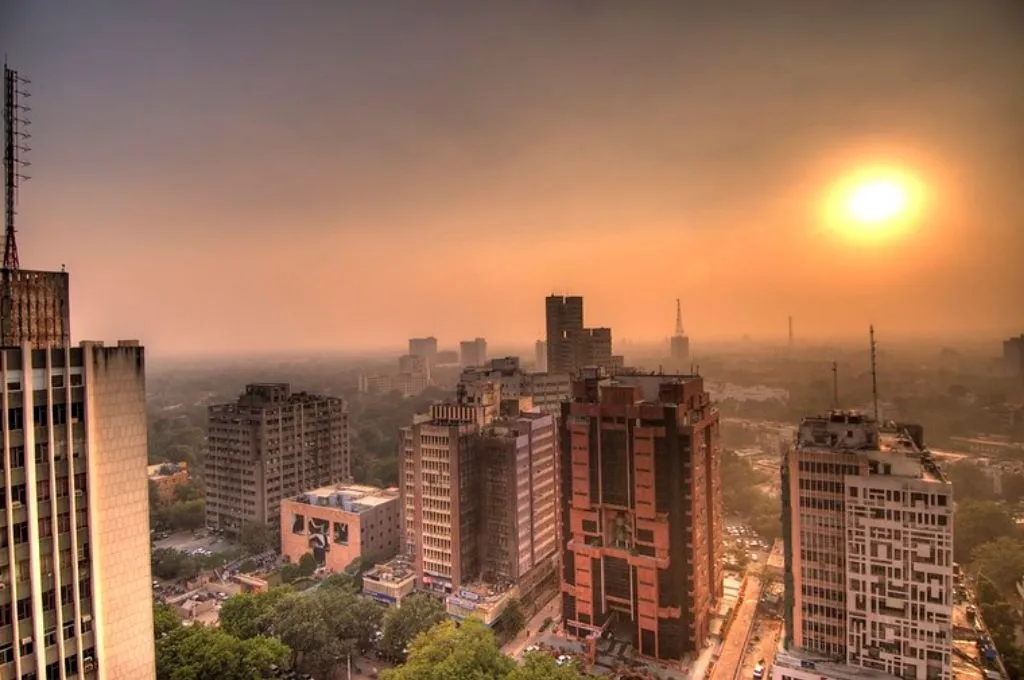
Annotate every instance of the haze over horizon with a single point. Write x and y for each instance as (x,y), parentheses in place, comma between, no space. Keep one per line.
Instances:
(261,177)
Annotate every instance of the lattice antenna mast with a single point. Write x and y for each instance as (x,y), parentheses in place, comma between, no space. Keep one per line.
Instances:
(679,318)
(874,373)
(16,138)
(835,385)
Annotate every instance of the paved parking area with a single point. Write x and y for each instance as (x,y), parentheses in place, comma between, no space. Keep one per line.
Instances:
(735,643)
(184,541)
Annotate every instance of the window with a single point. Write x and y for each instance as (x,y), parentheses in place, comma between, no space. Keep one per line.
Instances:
(57,382)
(27,646)
(6,654)
(40,415)
(17,457)
(24,608)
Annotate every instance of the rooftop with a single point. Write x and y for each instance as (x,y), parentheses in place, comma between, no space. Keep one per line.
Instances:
(354,498)
(798,659)
(397,569)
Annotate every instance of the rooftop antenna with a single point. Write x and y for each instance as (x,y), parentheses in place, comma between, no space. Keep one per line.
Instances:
(15,138)
(835,385)
(679,319)
(874,372)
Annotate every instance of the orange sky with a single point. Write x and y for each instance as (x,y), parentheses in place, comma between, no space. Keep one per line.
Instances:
(343,178)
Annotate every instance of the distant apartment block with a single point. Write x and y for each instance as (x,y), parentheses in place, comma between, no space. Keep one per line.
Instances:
(1013,354)
(414,363)
(75,591)
(641,526)
(424,347)
(408,384)
(270,445)
(472,352)
(167,477)
(868,531)
(339,524)
(546,391)
(540,357)
(570,346)
(447,357)
(479,498)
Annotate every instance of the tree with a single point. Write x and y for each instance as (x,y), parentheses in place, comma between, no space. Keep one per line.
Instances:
(256,537)
(251,614)
(165,621)
(307,565)
(170,565)
(199,652)
(341,581)
(1013,487)
(513,618)
(537,666)
(978,522)
(1000,561)
(419,612)
(449,650)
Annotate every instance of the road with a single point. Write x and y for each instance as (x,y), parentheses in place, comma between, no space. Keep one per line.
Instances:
(768,631)
(734,646)
(552,609)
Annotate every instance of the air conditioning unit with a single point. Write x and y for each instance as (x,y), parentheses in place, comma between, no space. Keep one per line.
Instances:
(89,664)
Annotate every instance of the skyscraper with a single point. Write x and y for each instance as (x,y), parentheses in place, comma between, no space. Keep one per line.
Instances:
(479,492)
(271,444)
(75,583)
(640,511)
(570,346)
(868,531)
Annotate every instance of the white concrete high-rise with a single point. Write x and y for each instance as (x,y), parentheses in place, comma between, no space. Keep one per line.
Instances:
(75,591)
(868,530)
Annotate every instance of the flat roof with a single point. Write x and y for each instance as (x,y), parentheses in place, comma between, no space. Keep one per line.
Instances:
(798,659)
(348,497)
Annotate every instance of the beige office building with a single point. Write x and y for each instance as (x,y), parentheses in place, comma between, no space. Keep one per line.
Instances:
(868,529)
(75,592)
(269,445)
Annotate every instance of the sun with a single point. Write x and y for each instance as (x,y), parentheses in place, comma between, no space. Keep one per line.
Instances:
(875,204)
(877,201)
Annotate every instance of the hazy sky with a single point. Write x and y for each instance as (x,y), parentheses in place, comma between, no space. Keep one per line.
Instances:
(296,175)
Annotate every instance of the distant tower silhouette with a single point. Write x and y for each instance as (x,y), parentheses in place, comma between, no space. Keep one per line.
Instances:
(679,344)
(790,331)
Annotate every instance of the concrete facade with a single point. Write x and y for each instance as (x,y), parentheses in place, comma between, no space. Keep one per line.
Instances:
(74,564)
(270,445)
(546,391)
(570,346)
(640,511)
(472,352)
(868,530)
(339,524)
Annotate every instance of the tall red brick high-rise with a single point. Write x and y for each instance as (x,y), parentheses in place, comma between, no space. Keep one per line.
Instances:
(640,511)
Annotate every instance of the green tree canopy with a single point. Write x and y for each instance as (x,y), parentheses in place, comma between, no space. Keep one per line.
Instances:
(165,621)
(970,481)
(467,651)
(978,522)
(1000,561)
(538,666)
(201,653)
(419,613)
(256,537)
(250,614)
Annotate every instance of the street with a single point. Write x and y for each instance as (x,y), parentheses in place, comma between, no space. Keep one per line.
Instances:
(734,646)
(552,610)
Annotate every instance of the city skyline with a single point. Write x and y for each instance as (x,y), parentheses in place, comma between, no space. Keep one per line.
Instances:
(352,141)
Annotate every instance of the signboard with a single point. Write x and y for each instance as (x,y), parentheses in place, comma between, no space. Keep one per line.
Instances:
(382,598)
(469,595)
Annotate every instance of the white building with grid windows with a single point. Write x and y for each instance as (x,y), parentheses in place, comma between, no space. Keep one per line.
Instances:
(868,528)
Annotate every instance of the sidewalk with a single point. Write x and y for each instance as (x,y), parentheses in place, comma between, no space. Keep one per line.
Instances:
(553,609)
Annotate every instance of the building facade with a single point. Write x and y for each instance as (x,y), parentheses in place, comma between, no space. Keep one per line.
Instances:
(640,511)
(540,356)
(424,347)
(479,494)
(35,307)
(75,591)
(340,524)
(546,391)
(472,352)
(868,532)
(269,445)
(570,346)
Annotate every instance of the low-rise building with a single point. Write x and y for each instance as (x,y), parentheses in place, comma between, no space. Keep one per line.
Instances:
(486,602)
(166,477)
(339,524)
(391,582)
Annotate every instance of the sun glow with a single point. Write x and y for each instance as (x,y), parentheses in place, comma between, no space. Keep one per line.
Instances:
(878,203)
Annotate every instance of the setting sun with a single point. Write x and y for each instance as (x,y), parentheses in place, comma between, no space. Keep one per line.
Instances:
(875,203)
